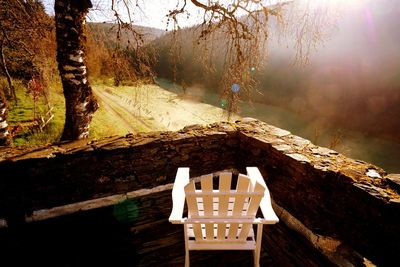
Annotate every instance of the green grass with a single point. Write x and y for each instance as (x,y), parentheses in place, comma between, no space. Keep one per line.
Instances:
(102,124)
(21,113)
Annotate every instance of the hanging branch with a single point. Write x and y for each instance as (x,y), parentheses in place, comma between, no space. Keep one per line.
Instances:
(244,26)
(142,58)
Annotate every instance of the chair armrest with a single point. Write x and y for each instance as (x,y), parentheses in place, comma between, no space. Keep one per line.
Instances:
(178,195)
(265,204)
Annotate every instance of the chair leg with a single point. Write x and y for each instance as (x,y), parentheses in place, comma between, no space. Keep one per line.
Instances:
(187,262)
(256,263)
(185,230)
(257,251)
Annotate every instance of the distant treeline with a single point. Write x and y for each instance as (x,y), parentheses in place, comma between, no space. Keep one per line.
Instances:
(120,55)
(28,47)
(180,59)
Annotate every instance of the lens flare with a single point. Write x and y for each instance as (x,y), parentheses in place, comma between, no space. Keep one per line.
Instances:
(126,211)
(223,103)
(235,87)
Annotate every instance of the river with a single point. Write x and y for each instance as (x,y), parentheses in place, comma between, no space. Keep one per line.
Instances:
(357,145)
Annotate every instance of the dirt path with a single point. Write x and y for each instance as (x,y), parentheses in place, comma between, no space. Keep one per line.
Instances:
(120,111)
(149,108)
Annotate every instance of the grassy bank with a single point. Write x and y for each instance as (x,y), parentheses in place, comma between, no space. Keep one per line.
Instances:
(21,116)
(124,109)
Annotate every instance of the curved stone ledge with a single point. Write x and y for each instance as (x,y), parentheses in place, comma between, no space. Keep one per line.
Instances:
(333,196)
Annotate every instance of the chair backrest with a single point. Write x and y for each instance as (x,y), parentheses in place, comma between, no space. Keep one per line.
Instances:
(223,213)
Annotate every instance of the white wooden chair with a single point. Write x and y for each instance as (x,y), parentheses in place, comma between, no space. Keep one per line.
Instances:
(223,218)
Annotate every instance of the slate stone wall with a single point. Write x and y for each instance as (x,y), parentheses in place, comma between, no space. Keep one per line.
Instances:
(349,200)
(332,195)
(66,173)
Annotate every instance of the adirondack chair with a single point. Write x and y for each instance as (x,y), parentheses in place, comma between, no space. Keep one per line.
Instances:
(223,218)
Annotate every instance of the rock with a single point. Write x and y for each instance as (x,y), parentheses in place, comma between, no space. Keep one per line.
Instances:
(282,147)
(277,131)
(246,120)
(373,173)
(323,151)
(192,127)
(300,142)
(394,181)
(299,157)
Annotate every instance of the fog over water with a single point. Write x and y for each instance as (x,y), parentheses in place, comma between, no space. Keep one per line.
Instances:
(354,144)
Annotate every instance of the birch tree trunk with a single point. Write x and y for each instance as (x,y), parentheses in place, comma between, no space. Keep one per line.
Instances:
(11,90)
(80,102)
(5,136)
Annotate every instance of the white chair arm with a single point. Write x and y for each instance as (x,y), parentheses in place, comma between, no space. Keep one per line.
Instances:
(265,204)
(178,195)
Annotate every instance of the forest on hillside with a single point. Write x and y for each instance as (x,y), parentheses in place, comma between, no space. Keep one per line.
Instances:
(351,80)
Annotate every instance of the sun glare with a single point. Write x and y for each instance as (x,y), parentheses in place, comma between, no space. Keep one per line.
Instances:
(340,4)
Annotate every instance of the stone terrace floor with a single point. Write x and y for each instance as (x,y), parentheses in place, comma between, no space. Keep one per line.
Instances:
(96,238)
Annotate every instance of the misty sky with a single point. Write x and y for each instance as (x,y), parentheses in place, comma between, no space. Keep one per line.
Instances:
(152,13)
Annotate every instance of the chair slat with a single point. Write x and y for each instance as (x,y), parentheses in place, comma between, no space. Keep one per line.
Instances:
(225,180)
(224,187)
(254,204)
(207,187)
(191,199)
(191,233)
(221,231)
(193,208)
(242,186)
(244,232)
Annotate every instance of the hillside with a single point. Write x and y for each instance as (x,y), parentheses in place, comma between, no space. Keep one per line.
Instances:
(107,32)
(351,80)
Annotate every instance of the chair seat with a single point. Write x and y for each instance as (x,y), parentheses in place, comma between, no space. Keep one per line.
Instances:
(248,245)
(192,236)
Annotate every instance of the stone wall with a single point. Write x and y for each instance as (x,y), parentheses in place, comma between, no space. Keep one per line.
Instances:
(348,202)
(65,173)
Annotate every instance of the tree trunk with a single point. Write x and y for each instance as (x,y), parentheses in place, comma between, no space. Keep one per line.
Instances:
(80,102)
(5,136)
(11,89)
